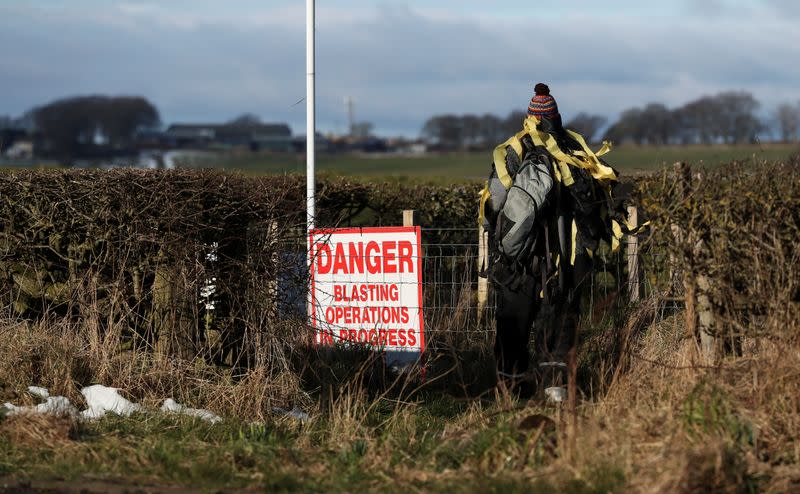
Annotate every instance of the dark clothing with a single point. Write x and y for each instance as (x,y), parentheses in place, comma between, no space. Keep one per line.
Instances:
(517,307)
(538,292)
(520,308)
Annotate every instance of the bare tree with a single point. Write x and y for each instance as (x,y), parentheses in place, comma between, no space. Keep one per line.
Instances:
(627,128)
(788,119)
(471,130)
(445,131)
(586,124)
(736,116)
(492,130)
(75,127)
(657,124)
(513,122)
(698,121)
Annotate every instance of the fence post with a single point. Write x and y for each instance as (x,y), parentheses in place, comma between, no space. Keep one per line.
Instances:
(410,217)
(699,313)
(404,360)
(633,256)
(272,284)
(483,264)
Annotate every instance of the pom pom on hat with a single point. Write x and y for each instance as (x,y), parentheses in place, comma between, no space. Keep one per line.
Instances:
(542,89)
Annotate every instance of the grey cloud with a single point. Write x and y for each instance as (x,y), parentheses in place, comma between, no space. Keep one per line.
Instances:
(790,8)
(710,8)
(400,64)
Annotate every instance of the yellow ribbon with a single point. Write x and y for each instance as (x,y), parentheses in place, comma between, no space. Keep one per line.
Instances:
(616,230)
(484,196)
(585,158)
(574,242)
(499,156)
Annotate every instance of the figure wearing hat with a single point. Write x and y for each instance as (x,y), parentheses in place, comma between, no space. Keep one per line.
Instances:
(541,290)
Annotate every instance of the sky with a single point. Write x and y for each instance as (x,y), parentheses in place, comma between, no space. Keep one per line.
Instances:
(401,61)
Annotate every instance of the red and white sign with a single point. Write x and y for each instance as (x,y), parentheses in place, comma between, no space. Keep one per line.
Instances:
(366,287)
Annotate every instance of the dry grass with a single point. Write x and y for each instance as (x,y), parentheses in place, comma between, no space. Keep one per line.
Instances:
(664,424)
(64,357)
(654,417)
(38,430)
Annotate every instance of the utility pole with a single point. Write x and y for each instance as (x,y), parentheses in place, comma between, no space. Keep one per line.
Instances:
(311,130)
(351,120)
(311,134)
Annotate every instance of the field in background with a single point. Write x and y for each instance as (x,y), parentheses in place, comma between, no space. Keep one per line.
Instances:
(475,165)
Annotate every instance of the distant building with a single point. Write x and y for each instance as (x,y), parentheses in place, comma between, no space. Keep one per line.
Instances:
(20,150)
(321,144)
(414,147)
(353,144)
(16,143)
(256,137)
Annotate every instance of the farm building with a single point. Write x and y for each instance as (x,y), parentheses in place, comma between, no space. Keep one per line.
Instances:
(254,136)
(16,143)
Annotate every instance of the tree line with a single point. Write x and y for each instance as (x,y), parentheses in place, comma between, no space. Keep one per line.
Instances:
(83,126)
(727,117)
(477,132)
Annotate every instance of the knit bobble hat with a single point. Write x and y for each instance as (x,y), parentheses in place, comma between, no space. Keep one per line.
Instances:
(542,104)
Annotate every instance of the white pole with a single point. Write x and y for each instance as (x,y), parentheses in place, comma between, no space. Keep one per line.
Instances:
(310,138)
(310,114)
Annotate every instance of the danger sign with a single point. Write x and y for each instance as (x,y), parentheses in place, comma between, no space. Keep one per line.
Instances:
(366,287)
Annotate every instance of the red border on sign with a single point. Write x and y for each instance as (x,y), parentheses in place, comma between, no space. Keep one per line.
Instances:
(370,229)
(418,231)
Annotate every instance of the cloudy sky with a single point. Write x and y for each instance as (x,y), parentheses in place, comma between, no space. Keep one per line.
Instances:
(401,60)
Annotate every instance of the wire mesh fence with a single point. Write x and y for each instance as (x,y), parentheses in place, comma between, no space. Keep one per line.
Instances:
(453,311)
(223,272)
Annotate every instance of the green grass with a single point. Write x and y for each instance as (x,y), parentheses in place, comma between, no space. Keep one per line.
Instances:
(475,165)
(446,167)
(418,448)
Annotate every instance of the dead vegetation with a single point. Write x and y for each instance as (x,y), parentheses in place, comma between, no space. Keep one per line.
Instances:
(656,417)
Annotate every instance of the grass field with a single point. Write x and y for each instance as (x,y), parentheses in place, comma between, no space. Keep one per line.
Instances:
(652,413)
(475,165)
(418,449)
(661,426)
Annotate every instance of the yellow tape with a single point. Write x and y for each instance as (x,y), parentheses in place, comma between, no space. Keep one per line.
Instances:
(566,174)
(617,235)
(484,196)
(635,230)
(574,242)
(592,163)
(616,229)
(500,165)
(556,172)
(605,149)
(499,157)
(584,158)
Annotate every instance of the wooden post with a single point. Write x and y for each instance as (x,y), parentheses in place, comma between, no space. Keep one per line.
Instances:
(705,319)
(683,179)
(483,264)
(409,217)
(633,257)
(404,360)
(699,311)
(272,284)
